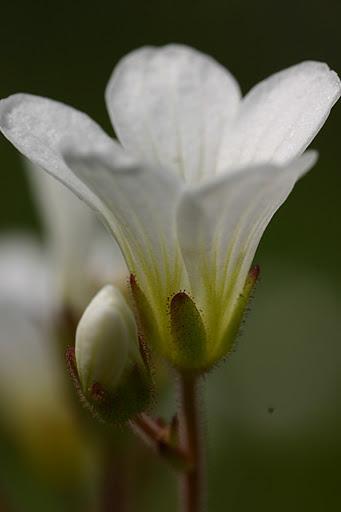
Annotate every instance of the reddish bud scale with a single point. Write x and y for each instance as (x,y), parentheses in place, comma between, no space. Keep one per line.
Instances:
(72,369)
(97,392)
(254,273)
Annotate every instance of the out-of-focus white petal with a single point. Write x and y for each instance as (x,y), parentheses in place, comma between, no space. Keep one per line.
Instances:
(29,363)
(70,228)
(171,105)
(25,277)
(38,127)
(220,226)
(281,115)
(34,406)
(142,203)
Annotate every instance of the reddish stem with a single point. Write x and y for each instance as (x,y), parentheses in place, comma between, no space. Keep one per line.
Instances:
(192,481)
(148,428)
(160,439)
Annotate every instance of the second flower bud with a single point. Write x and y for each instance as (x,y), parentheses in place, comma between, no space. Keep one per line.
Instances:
(110,362)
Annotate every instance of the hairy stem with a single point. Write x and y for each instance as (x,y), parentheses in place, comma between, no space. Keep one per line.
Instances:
(192,486)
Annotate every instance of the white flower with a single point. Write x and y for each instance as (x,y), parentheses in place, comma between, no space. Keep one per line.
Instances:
(197,177)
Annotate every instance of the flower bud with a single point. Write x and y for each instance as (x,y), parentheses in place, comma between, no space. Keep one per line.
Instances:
(111,368)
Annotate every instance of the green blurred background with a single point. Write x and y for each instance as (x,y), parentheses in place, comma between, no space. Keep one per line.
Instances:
(273,409)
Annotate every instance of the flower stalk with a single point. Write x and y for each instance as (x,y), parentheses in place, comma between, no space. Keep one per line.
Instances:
(192,482)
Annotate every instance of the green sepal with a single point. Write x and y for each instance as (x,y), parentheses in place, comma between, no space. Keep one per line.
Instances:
(238,314)
(145,317)
(133,395)
(188,334)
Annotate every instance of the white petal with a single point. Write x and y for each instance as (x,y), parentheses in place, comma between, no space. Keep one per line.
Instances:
(170,106)
(81,254)
(220,226)
(70,231)
(30,373)
(106,262)
(142,203)
(34,400)
(25,277)
(38,126)
(280,116)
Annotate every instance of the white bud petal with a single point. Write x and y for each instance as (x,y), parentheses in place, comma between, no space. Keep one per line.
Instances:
(106,338)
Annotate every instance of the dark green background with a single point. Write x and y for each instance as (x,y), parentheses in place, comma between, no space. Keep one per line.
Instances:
(274,408)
